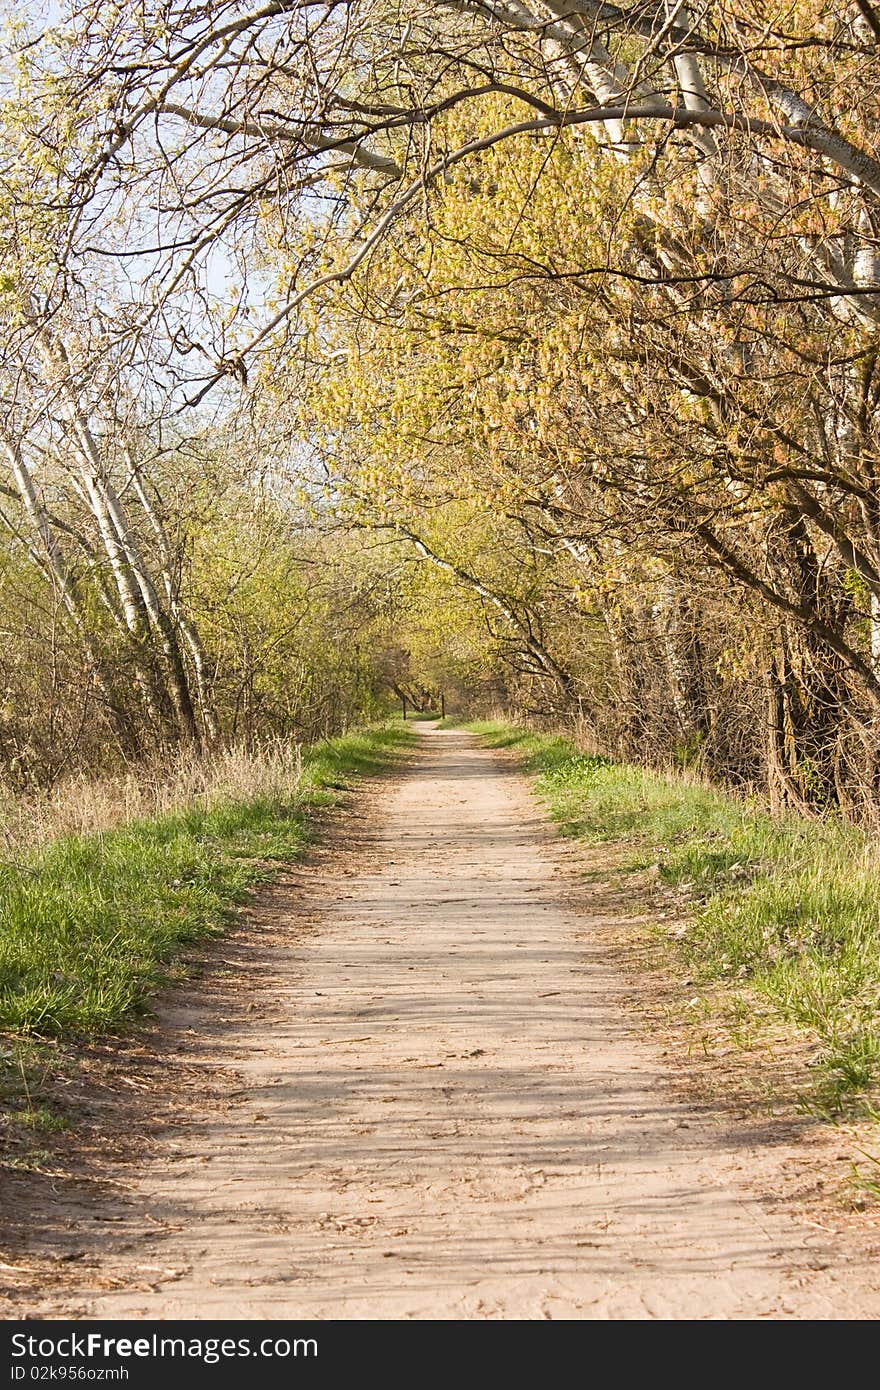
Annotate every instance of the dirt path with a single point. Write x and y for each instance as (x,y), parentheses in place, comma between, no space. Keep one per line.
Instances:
(444,1112)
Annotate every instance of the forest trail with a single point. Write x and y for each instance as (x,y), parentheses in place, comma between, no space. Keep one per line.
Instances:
(443,1109)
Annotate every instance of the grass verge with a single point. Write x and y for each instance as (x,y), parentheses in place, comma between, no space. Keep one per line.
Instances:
(92,923)
(788,909)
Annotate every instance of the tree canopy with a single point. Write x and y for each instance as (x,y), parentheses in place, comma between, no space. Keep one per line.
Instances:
(524,351)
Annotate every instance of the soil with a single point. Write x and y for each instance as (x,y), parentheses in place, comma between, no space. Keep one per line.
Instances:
(412,1084)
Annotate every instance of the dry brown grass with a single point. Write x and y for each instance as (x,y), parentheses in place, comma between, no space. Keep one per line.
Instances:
(84,805)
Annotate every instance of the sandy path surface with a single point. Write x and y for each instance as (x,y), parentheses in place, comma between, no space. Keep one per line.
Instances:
(443,1110)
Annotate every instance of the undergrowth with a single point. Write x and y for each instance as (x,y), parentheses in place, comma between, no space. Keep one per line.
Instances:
(789,908)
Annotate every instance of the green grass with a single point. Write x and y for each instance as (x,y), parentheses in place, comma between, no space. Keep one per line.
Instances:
(788,908)
(92,925)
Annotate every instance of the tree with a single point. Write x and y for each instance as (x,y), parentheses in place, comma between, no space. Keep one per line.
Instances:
(597,288)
